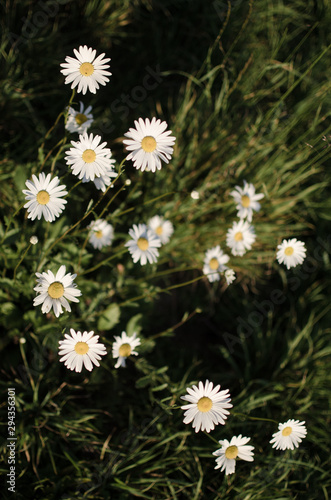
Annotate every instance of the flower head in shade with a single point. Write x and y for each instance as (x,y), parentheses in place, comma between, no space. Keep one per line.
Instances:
(290,434)
(79,121)
(81,349)
(240,237)
(45,197)
(207,406)
(214,263)
(101,233)
(195,195)
(291,252)
(144,244)
(149,143)
(230,276)
(89,159)
(162,228)
(34,240)
(246,200)
(55,291)
(123,347)
(86,70)
(230,450)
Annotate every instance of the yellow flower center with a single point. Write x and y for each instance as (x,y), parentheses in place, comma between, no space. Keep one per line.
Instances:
(80,118)
(205,404)
(238,236)
(55,290)
(98,234)
(124,350)
(86,69)
(231,452)
(159,230)
(287,431)
(89,156)
(43,197)
(288,251)
(213,264)
(143,244)
(245,201)
(148,144)
(81,348)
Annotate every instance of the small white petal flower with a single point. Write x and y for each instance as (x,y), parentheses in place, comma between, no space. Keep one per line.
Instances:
(195,195)
(55,291)
(230,276)
(291,252)
(144,244)
(240,237)
(79,121)
(89,159)
(246,200)
(81,349)
(236,448)
(34,240)
(123,347)
(207,406)
(290,434)
(102,233)
(214,263)
(149,143)
(86,70)
(162,228)
(45,197)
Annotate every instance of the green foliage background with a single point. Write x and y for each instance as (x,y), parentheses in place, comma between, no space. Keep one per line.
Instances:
(245,88)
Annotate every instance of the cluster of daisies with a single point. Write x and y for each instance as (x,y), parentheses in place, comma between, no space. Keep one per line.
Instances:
(148,144)
(208,406)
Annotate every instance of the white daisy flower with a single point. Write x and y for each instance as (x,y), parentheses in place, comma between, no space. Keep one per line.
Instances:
(149,144)
(79,349)
(290,434)
(291,252)
(54,290)
(195,195)
(207,406)
(102,233)
(103,181)
(214,263)
(89,159)
(123,347)
(246,200)
(162,228)
(86,71)
(236,448)
(79,121)
(230,276)
(45,197)
(144,244)
(240,237)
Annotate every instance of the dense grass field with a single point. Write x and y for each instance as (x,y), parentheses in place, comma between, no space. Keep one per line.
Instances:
(245,88)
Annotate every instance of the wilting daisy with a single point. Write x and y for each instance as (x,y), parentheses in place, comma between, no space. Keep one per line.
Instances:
(123,347)
(86,71)
(149,143)
(240,237)
(236,448)
(79,121)
(162,228)
(45,197)
(207,406)
(89,159)
(105,180)
(101,234)
(290,434)
(144,244)
(214,263)
(79,349)
(291,252)
(229,276)
(55,291)
(246,200)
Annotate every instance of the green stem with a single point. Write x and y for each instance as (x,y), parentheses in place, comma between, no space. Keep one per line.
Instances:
(20,262)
